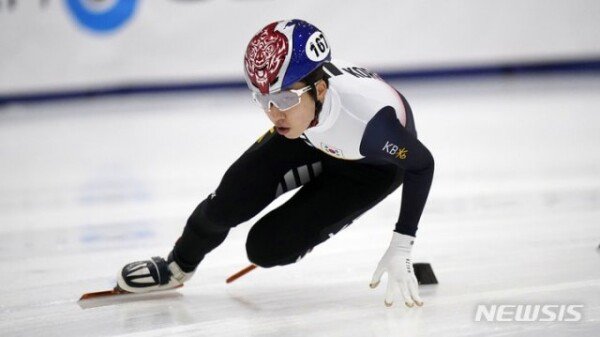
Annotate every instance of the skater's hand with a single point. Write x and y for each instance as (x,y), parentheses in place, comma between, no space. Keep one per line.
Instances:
(401,277)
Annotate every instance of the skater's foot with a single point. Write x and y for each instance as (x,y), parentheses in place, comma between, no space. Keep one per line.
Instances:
(152,275)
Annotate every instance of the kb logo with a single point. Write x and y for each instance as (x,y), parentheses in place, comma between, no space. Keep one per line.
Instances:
(102,15)
(395,150)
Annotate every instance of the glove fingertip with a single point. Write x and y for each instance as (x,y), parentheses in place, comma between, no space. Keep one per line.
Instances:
(377,275)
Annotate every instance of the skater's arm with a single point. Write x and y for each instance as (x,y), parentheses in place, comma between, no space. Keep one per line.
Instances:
(386,139)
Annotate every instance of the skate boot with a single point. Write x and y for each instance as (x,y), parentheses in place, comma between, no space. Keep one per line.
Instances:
(152,275)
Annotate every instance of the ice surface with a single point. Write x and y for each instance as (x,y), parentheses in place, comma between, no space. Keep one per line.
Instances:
(513,217)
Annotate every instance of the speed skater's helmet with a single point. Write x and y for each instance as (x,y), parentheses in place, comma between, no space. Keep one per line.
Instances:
(282,53)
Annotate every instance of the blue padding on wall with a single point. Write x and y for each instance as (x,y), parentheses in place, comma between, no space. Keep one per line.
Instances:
(579,66)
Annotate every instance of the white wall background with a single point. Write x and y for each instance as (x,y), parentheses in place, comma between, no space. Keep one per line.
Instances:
(181,41)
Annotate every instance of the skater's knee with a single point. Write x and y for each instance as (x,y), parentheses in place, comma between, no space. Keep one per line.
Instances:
(265,258)
(260,260)
(255,249)
(268,259)
(268,249)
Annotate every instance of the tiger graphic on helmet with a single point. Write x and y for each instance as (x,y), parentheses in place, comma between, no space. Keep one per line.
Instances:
(265,56)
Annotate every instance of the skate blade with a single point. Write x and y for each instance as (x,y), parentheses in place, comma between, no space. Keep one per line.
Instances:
(97,294)
(117,291)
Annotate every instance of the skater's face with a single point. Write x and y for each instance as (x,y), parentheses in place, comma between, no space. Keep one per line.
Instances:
(293,122)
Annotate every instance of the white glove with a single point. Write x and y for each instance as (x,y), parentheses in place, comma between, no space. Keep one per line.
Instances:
(401,277)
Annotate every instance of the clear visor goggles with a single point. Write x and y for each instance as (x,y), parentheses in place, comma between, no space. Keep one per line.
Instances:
(283,100)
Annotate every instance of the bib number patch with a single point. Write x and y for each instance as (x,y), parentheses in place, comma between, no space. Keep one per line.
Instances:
(317,47)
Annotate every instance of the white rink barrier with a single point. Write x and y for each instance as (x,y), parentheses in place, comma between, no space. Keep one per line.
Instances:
(54,46)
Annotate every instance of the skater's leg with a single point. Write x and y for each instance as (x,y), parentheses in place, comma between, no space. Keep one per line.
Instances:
(273,165)
(270,167)
(318,211)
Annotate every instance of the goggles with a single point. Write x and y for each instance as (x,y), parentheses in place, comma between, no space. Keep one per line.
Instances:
(283,100)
